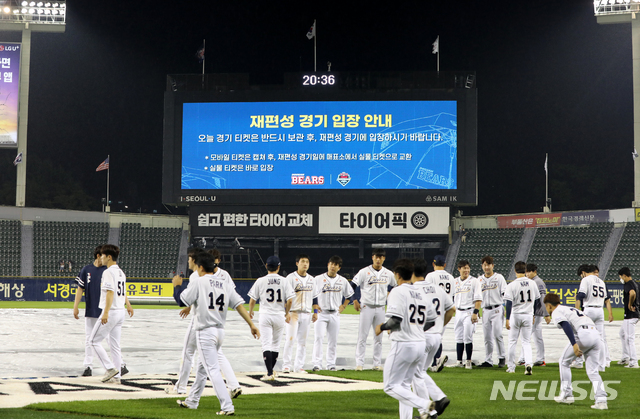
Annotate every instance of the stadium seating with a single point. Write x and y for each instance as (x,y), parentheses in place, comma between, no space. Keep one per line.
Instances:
(148,252)
(55,241)
(501,244)
(628,253)
(10,247)
(558,251)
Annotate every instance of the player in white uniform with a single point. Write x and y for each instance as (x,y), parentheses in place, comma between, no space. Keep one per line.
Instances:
(445,280)
(593,294)
(493,286)
(423,384)
(408,312)
(375,282)
(468,300)
(190,346)
(585,340)
(539,315)
(522,297)
(113,298)
(296,330)
(331,288)
(211,297)
(631,314)
(275,295)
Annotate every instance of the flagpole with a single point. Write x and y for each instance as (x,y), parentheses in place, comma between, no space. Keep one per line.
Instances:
(315,38)
(546,171)
(108,207)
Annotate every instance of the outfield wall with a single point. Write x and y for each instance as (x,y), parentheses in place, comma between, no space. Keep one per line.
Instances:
(64,289)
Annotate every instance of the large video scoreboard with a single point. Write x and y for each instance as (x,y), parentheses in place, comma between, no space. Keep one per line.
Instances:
(321,139)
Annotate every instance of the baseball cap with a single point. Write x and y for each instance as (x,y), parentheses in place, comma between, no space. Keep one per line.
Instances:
(439,260)
(273,261)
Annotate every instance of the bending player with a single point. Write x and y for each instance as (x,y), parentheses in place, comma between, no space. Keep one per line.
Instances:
(298,327)
(331,288)
(217,293)
(375,282)
(523,298)
(493,286)
(445,280)
(423,384)
(585,340)
(113,298)
(275,295)
(409,313)
(468,300)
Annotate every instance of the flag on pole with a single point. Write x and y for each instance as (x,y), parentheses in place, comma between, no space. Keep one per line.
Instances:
(312,31)
(436,45)
(545,163)
(634,153)
(18,159)
(200,54)
(104,165)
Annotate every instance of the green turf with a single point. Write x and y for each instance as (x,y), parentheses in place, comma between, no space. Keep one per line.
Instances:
(469,392)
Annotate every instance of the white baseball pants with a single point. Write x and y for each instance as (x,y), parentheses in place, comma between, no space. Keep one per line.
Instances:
(590,343)
(327,323)
(520,325)
(423,384)
(296,331)
(271,329)
(463,328)
(597,315)
(89,324)
(370,317)
(399,371)
(492,323)
(628,338)
(209,341)
(112,330)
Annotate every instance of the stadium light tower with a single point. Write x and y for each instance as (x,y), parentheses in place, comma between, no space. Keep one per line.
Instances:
(28,16)
(627,11)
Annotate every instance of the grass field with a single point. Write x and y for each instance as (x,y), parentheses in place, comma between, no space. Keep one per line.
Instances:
(469,391)
(618,313)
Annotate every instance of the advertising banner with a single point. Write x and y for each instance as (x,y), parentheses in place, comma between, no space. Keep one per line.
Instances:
(9,93)
(584,217)
(530,221)
(384,220)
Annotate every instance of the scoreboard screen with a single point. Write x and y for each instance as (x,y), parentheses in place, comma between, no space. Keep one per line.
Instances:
(320,144)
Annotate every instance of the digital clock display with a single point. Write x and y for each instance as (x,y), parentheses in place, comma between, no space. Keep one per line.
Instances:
(320,79)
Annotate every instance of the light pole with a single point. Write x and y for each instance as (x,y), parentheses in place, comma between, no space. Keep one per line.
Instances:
(26,17)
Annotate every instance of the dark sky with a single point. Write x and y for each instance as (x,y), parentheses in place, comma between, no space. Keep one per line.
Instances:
(550,80)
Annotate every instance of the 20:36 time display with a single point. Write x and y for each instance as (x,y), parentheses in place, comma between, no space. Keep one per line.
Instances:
(313,80)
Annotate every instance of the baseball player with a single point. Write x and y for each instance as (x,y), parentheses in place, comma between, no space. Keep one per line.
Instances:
(631,310)
(540,315)
(445,280)
(113,298)
(592,295)
(493,286)
(190,346)
(211,297)
(523,298)
(331,288)
(408,313)
(297,328)
(375,282)
(468,300)
(585,340)
(423,384)
(275,295)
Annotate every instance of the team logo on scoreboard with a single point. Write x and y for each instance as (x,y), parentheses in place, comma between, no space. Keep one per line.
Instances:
(344,178)
(301,179)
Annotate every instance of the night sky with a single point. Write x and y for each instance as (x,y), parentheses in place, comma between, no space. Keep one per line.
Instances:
(550,80)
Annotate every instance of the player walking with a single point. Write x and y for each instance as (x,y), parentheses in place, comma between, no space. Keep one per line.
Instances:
(585,340)
(493,286)
(631,310)
(468,300)
(423,384)
(523,298)
(445,281)
(408,312)
(539,315)
(113,298)
(375,282)
(331,288)
(211,297)
(275,295)
(592,295)
(298,327)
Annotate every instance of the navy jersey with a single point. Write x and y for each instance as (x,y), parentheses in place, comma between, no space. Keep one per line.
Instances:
(89,280)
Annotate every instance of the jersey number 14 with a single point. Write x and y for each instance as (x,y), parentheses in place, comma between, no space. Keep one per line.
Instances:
(219,302)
